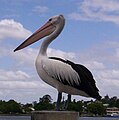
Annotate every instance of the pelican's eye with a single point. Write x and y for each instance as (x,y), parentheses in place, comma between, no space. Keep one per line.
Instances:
(50,19)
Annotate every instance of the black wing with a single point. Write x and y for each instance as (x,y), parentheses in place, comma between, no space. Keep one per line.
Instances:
(87,81)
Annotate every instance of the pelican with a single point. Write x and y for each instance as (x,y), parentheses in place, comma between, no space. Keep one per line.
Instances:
(62,74)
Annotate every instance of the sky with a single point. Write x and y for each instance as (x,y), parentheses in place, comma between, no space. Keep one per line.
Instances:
(90,37)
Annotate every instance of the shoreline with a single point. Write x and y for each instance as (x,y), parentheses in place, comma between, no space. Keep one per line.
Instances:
(15,114)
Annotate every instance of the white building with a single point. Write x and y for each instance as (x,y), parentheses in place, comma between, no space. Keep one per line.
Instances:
(112,111)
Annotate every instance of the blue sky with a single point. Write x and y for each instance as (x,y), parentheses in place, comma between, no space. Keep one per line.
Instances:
(90,37)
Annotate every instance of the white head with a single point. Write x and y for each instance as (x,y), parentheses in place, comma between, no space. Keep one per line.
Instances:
(52,29)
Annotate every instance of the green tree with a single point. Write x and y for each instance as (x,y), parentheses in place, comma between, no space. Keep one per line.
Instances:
(117,103)
(112,101)
(75,106)
(96,108)
(3,107)
(10,107)
(44,103)
(105,100)
(46,98)
(13,107)
(27,108)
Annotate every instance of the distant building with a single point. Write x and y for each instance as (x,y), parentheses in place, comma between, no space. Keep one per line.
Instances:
(105,105)
(112,111)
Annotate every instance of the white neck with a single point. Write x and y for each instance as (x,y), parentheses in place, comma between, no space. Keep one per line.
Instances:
(50,38)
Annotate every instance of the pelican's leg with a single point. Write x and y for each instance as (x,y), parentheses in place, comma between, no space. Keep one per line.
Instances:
(67,101)
(59,100)
(69,98)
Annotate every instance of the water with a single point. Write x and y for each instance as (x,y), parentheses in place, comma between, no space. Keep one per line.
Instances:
(29,118)
(98,118)
(15,118)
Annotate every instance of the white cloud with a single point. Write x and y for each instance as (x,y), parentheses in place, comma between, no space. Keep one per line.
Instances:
(110,74)
(40,9)
(117,53)
(62,54)
(29,55)
(102,61)
(12,29)
(17,84)
(97,10)
(95,65)
(26,56)
(98,61)
(18,80)
(13,75)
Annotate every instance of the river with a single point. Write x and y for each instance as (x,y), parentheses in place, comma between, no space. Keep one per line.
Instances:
(29,118)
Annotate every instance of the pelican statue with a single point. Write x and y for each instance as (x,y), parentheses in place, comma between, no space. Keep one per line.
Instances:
(62,74)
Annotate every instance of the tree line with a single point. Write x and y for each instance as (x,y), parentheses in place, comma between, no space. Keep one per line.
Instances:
(45,103)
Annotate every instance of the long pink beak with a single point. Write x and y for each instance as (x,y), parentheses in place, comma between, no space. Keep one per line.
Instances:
(45,30)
